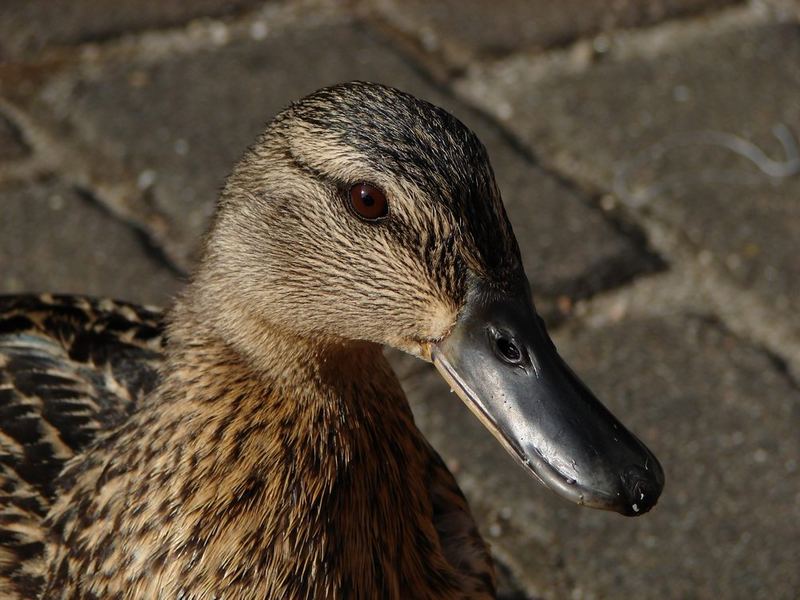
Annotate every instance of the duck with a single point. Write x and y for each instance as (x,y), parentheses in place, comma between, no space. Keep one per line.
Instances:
(252,441)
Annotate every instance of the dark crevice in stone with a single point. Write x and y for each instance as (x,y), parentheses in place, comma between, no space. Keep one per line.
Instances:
(780,364)
(157,253)
(12,142)
(406,44)
(508,588)
(104,27)
(564,41)
(150,247)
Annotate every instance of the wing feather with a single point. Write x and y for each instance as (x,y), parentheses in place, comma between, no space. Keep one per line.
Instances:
(70,368)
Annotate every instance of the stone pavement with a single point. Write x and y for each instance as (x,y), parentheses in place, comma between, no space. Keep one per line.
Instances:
(635,146)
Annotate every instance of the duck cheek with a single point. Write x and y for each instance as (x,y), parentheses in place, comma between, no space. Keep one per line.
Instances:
(439,320)
(413,347)
(413,332)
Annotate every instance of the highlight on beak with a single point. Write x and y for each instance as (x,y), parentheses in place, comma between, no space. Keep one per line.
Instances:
(500,360)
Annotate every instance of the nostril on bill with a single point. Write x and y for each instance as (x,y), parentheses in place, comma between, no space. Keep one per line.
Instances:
(507,349)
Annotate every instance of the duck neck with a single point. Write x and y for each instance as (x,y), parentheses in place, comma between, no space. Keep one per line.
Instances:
(319,414)
(308,479)
(322,411)
(309,461)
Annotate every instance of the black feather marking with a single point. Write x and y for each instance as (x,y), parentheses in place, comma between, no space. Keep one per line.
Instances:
(70,368)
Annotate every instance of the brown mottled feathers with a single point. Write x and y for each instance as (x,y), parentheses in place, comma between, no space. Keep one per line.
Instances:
(70,368)
(73,368)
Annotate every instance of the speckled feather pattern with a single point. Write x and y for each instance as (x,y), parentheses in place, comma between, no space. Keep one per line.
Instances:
(255,443)
(349,495)
(70,369)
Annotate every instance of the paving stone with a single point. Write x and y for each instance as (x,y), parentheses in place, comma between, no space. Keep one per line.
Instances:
(722,418)
(12,146)
(468,29)
(54,240)
(29,25)
(182,123)
(649,121)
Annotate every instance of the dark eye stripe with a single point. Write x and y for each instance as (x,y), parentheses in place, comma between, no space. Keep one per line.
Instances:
(368,202)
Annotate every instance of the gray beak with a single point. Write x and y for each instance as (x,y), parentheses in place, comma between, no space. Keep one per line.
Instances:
(502,363)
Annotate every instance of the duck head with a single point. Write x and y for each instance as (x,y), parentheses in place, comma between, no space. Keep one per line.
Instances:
(364,214)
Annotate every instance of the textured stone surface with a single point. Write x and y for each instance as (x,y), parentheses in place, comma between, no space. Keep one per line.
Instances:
(466,29)
(28,25)
(722,419)
(54,240)
(181,131)
(12,146)
(652,117)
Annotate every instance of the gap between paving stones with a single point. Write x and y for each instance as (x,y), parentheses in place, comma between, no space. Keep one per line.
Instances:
(76,167)
(449,54)
(683,290)
(196,32)
(742,311)
(54,238)
(619,45)
(149,247)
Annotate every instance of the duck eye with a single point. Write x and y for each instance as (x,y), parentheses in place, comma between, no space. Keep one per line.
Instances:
(368,202)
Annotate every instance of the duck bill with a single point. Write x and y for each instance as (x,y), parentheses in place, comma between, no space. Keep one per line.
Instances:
(500,360)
